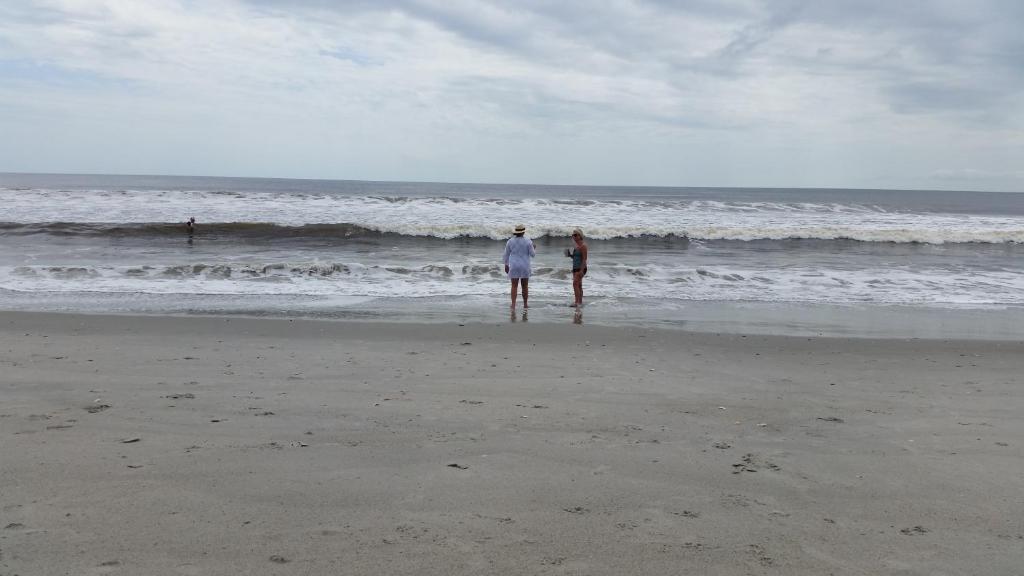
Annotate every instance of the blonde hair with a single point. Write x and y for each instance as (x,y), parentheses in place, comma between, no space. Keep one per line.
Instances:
(577,231)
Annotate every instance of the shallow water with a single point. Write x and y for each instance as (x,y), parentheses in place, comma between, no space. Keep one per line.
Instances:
(386,249)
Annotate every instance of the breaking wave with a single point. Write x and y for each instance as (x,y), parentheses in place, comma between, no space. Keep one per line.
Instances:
(310,215)
(214,229)
(681,282)
(345,230)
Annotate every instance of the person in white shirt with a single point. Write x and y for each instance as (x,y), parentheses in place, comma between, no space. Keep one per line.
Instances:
(518,252)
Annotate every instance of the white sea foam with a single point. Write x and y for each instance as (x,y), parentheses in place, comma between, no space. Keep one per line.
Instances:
(891,285)
(449,218)
(111,247)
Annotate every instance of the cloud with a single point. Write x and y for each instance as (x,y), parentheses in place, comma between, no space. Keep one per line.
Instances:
(917,97)
(975,175)
(348,87)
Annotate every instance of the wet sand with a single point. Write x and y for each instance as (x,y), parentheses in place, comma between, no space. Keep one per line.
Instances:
(163,445)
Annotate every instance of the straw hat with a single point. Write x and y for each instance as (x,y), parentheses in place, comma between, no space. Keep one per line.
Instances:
(520,228)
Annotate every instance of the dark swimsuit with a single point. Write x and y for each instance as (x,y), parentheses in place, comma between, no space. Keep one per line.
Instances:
(577,260)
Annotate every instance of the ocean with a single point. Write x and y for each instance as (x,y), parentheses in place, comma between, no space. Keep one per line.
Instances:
(801,261)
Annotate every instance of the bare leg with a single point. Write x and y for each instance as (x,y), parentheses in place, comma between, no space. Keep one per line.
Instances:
(577,288)
(515,288)
(526,291)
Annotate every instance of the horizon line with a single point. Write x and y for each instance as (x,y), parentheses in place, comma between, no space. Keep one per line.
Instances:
(528,184)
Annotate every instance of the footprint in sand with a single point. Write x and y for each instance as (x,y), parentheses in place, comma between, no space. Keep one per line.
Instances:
(687,514)
(750,463)
(108,567)
(831,419)
(186,395)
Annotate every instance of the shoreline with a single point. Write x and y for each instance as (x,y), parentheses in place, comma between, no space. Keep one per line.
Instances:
(797,320)
(215,445)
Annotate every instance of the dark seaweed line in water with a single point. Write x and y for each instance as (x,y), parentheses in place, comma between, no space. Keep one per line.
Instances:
(268,271)
(345,231)
(241,230)
(229,229)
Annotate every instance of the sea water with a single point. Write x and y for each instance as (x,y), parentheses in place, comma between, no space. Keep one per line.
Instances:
(790,260)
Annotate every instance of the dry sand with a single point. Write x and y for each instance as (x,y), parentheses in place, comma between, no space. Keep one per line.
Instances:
(159,445)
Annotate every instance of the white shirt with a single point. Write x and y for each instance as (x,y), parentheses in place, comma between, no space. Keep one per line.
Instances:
(518,252)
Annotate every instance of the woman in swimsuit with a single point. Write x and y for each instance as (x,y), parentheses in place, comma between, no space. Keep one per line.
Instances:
(579,266)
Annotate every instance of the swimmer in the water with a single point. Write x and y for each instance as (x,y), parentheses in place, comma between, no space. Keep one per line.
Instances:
(190,225)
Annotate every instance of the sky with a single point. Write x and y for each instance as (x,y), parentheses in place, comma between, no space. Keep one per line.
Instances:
(789,93)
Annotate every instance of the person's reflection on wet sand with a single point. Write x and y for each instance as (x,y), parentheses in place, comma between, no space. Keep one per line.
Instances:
(577,316)
(512,317)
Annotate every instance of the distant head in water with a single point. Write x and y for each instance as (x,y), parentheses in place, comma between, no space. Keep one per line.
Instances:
(190,224)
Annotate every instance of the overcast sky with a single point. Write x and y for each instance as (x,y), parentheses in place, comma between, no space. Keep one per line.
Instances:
(831,93)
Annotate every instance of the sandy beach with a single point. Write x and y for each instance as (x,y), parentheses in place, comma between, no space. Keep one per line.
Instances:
(205,445)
